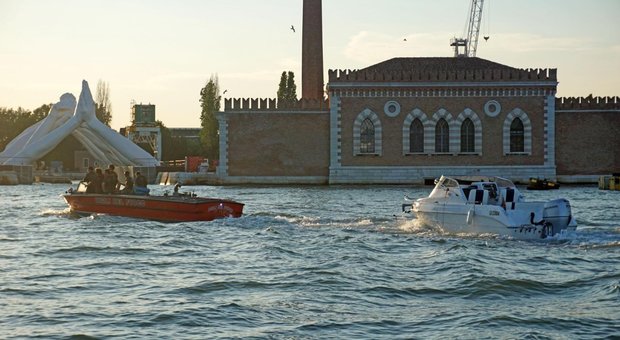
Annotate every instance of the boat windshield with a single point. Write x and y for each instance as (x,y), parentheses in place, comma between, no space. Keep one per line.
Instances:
(448,182)
(504,183)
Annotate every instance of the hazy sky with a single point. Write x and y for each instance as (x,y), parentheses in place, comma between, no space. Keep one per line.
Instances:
(163,52)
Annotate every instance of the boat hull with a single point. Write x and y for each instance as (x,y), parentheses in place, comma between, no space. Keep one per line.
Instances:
(457,224)
(159,208)
(478,219)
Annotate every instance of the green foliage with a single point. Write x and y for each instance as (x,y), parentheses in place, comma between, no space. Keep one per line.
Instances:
(287,90)
(15,121)
(291,88)
(282,91)
(210,105)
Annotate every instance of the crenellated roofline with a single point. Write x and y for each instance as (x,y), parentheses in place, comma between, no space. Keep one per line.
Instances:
(587,103)
(273,104)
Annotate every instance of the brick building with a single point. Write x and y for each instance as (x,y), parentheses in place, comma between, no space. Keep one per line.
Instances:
(406,120)
(416,118)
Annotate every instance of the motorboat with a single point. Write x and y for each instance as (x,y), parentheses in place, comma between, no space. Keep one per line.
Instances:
(542,184)
(178,207)
(490,205)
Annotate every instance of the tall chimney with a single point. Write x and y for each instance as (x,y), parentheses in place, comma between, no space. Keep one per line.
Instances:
(312,51)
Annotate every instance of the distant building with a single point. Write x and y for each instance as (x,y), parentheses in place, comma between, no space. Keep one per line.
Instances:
(144,129)
(405,120)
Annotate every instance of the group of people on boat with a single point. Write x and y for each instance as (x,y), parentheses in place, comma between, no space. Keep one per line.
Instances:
(106,182)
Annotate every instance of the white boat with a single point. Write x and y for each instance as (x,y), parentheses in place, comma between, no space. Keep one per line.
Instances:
(490,205)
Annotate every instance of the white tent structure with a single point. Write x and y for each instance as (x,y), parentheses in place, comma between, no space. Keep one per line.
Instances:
(68,117)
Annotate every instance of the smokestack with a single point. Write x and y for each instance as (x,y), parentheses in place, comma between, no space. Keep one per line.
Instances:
(312,51)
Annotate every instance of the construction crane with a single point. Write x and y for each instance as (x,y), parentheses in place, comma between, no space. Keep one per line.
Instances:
(470,44)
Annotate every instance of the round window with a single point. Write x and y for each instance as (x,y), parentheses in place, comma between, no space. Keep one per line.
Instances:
(492,108)
(391,108)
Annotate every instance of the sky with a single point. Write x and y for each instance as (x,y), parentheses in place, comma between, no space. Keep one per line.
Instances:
(163,52)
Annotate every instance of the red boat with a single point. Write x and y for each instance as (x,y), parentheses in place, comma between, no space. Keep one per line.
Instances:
(167,208)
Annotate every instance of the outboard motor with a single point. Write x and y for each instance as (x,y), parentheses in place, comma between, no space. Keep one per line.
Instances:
(558,213)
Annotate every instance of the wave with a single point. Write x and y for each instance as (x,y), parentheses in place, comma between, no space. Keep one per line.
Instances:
(237,286)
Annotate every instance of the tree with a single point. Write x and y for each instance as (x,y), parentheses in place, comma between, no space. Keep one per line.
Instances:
(291,88)
(282,93)
(287,90)
(210,104)
(103,107)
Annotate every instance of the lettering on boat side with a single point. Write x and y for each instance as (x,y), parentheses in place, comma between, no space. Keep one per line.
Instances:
(103,200)
(220,207)
(135,203)
(494,213)
(120,202)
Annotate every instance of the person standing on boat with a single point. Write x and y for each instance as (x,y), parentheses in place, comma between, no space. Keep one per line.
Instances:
(128,189)
(114,179)
(98,181)
(140,185)
(108,185)
(90,179)
(110,180)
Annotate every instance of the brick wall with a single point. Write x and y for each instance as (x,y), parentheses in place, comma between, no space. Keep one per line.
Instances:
(269,143)
(587,142)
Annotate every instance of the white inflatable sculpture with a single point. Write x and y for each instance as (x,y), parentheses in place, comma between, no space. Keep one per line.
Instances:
(103,143)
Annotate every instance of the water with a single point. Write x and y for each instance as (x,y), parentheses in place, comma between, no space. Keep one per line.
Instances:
(304,262)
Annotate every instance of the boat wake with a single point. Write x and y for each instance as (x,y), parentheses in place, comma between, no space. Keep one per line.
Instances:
(268,219)
(415,226)
(57,212)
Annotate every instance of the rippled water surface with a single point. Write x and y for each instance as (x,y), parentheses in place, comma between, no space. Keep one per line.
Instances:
(303,262)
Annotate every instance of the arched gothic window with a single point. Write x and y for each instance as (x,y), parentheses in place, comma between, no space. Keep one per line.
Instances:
(517,140)
(416,136)
(467,136)
(442,136)
(367,137)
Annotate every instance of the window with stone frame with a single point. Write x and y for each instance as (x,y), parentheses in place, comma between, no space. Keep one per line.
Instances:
(517,132)
(416,136)
(467,136)
(442,136)
(367,136)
